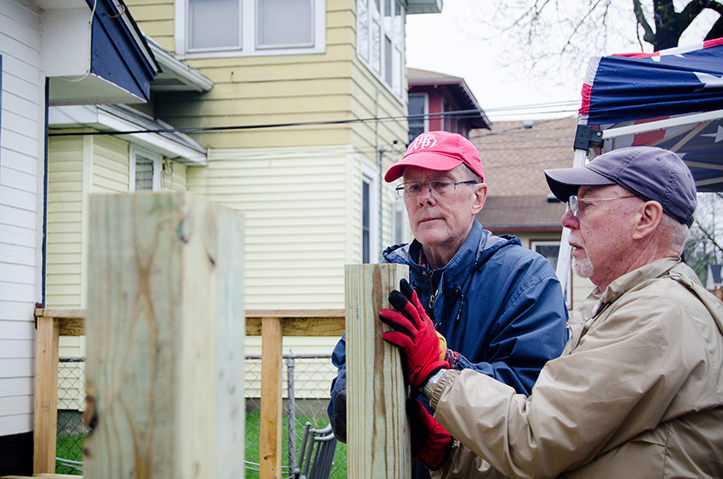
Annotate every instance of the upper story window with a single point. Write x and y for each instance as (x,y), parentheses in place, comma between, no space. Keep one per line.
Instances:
(380,40)
(213,28)
(418,110)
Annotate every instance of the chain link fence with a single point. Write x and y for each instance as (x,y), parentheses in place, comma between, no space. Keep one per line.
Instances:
(305,390)
(306,383)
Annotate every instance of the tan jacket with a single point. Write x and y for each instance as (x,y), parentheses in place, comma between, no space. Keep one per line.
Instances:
(637,393)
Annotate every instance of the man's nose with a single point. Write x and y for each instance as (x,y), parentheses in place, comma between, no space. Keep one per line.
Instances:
(569,220)
(425,194)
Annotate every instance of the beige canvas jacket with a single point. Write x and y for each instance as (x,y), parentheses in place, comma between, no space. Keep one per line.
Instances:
(637,393)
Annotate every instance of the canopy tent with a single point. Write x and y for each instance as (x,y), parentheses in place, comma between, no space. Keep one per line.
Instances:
(672,99)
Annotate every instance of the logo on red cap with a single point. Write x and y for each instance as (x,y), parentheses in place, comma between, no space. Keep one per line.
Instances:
(422,141)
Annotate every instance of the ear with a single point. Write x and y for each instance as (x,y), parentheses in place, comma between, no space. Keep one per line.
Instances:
(480,195)
(650,215)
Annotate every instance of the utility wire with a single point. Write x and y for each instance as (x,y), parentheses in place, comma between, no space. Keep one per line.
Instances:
(459,114)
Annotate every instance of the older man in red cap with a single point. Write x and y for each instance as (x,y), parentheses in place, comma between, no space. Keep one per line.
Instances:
(499,306)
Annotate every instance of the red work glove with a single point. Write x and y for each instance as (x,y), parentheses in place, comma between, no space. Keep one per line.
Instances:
(430,442)
(414,333)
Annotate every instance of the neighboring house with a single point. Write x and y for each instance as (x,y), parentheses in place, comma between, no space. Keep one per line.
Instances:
(715,277)
(51,53)
(442,102)
(514,156)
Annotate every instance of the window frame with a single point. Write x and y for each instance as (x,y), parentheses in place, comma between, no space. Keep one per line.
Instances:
(370,176)
(135,152)
(567,290)
(249,44)
(425,112)
(369,18)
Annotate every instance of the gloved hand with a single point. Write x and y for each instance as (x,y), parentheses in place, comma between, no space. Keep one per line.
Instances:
(430,442)
(414,333)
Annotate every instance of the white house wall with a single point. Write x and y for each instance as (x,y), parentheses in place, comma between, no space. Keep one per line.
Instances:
(21,177)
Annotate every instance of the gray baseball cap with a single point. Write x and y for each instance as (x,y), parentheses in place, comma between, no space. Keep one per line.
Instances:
(651,173)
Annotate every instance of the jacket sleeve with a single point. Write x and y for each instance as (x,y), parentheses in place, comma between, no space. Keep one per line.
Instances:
(529,331)
(618,383)
(337,404)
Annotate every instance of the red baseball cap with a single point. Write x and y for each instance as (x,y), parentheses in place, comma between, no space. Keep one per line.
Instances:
(439,151)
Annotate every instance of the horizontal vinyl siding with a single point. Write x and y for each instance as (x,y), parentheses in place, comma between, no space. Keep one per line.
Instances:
(65,214)
(21,173)
(175,179)
(110,165)
(294,202)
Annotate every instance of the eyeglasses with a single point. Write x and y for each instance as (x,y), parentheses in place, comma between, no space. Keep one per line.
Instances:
(574,203)
(438,187)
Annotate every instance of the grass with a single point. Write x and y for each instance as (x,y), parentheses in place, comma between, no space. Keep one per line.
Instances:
(71,446)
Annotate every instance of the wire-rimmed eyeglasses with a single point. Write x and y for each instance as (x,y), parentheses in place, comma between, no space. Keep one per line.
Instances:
(411,189)
(573,203)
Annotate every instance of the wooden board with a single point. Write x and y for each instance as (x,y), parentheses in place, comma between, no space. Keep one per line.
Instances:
(377,426)
(165,329)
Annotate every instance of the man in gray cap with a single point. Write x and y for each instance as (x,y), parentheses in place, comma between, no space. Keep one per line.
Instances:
(638,390)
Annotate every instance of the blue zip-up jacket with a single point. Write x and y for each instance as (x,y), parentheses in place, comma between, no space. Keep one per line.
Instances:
(498,304)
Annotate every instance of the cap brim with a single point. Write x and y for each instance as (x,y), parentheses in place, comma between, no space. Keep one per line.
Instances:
(564,182)
(432,161)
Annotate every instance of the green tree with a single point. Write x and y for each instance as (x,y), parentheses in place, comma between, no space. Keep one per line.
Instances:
(704,245)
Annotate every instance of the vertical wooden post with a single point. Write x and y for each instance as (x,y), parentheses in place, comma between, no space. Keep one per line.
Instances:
(46,395)
(271,402)
(165,328)
(377,426)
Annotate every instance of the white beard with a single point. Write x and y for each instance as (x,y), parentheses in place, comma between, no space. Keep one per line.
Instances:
(582,267)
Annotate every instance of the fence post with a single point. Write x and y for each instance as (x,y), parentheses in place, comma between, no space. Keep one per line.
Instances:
(46,394)
(165,329)
(270,428)
(377,426)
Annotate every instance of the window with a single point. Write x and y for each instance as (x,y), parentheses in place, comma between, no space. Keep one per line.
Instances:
(214,24)
(210,28)
(145,170)
(380,40)
(551,250)
(418,109)
(370,213)
(399,221)
(285,23)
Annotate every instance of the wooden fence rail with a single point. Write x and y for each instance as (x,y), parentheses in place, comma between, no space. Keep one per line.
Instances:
(271,325)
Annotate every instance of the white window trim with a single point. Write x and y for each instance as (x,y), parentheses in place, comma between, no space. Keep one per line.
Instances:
(370,175)
(135,150)
(568,286)
(399,95)
(248,34)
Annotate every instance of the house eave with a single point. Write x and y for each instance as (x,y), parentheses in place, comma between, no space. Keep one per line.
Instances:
(415,7)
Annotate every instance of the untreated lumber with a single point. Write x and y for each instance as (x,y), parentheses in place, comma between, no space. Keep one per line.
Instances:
(377,425)
(296,322)
(46,395)
(165,332)
(271,403)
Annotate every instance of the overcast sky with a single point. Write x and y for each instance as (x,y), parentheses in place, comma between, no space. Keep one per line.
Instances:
(438,43)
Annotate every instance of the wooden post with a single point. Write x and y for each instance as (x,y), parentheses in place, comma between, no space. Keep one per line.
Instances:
(271,401)
(46,395)
(377,426)
(165,329)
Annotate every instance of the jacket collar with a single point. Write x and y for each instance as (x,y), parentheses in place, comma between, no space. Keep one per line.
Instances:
(632,279)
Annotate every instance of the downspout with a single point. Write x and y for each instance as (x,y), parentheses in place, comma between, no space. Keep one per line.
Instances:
(44,247)
(380,153)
